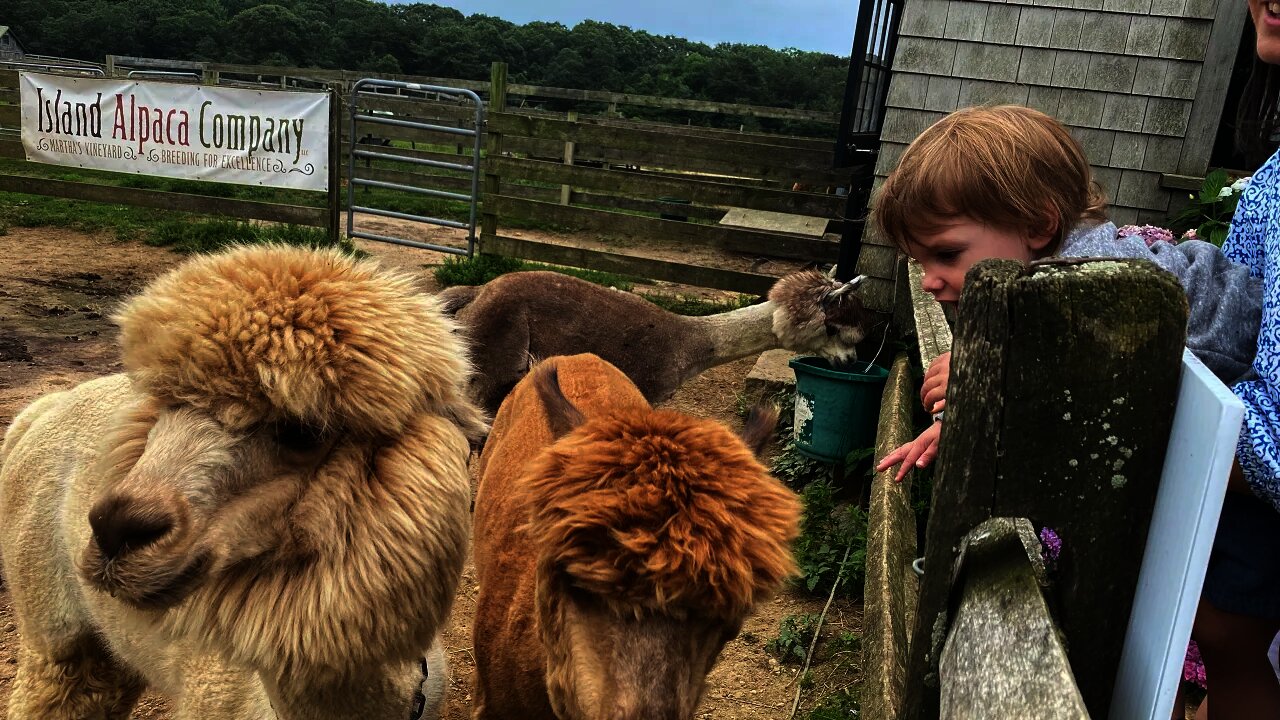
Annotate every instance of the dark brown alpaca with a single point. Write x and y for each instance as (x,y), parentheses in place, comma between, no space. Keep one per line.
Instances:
(618,548)
(519,318)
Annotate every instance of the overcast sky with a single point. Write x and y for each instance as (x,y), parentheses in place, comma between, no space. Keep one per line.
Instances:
(819,25)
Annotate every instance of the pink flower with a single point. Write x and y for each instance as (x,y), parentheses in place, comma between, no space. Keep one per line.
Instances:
(1150,234)
(1193,666)
(1051,546)
(1190,235)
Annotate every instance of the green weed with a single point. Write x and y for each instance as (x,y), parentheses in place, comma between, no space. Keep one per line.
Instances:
(794,635)
(843,704)
(826,531)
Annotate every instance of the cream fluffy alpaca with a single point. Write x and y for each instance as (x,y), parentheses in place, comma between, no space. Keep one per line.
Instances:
(266,518)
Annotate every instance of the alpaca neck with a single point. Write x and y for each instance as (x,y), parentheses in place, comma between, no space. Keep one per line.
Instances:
(737,333)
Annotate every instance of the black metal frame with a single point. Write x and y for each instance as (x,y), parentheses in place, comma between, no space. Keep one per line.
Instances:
(875,39)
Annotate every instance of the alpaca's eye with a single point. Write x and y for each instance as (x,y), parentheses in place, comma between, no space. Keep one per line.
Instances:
(298,437)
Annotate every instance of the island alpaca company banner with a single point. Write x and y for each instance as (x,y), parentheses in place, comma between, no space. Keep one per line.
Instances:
(251,137)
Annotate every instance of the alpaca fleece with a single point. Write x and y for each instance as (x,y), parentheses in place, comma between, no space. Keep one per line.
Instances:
(519,318)
(275,332)
(320,587)
(648,513)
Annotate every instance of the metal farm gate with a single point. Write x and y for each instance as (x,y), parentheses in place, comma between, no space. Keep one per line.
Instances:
(358,148)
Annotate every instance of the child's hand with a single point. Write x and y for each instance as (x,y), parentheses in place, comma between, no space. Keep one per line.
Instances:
(934,392)
(917,453)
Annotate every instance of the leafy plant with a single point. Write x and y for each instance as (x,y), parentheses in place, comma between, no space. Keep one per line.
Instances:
(840,705)
(826,530)
(794,635)
(480,269)
(1210,211)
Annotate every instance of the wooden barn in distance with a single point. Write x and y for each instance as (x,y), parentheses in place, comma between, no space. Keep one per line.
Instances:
(1149,87)
(10,48)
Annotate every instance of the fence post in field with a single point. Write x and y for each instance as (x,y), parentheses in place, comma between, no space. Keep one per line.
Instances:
(565,190)
(1063,381)
(493,152)
(110,66)
(335,163)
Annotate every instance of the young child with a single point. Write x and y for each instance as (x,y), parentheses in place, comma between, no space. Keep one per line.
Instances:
(1011,182)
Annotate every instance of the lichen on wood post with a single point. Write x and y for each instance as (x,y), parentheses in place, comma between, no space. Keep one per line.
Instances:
(1063,380)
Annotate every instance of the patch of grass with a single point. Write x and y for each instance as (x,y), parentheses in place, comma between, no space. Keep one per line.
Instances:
(203,236)
(41,211)
(794,635)
(476,270)
(480,269)
(683,305)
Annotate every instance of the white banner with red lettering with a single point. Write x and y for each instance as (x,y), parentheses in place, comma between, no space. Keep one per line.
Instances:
(251,137)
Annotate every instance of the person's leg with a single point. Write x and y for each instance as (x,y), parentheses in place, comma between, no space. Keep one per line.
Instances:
(1234,648)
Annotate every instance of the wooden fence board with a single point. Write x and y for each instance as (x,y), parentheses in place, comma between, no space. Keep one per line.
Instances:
(12,149)
(739,169)
(700,276)
(643,184)
(418,109)
(10,116)
(725,238)
(183,202)
(648,141)
(820,144)
(707,106)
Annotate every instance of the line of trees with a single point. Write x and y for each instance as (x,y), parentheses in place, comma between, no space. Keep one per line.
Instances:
(431,40)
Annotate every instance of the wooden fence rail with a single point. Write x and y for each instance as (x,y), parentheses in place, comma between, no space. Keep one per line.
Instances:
(1003,657)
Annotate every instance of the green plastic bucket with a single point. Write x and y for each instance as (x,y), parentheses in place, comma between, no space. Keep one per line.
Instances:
(836,410)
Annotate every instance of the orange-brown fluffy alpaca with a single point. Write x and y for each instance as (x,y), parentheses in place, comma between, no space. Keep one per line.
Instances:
(615,561)
(266,518)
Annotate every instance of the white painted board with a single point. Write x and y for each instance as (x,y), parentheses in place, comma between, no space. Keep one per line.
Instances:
(1206,425)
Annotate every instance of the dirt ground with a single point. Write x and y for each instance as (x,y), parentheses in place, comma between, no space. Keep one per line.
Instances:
(58,289)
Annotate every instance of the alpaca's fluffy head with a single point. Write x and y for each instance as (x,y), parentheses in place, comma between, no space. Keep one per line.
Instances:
(660,511)
(656,533)
(818,314)
(295,460)
(270,333)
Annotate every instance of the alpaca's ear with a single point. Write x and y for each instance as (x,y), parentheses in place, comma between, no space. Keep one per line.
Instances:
(846,288)
(831,274)
(455,298)
(759,427)
(561,414)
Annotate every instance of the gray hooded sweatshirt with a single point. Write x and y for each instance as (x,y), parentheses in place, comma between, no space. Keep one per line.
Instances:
(1225,303)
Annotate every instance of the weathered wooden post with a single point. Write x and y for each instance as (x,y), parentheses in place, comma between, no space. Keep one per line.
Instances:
(493,153)
(1063,381)
(566,191)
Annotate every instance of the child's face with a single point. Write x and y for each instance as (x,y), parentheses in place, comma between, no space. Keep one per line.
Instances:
(1267,25)
(949,253)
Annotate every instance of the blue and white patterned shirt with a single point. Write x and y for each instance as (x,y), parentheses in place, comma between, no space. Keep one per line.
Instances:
(1255,242)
